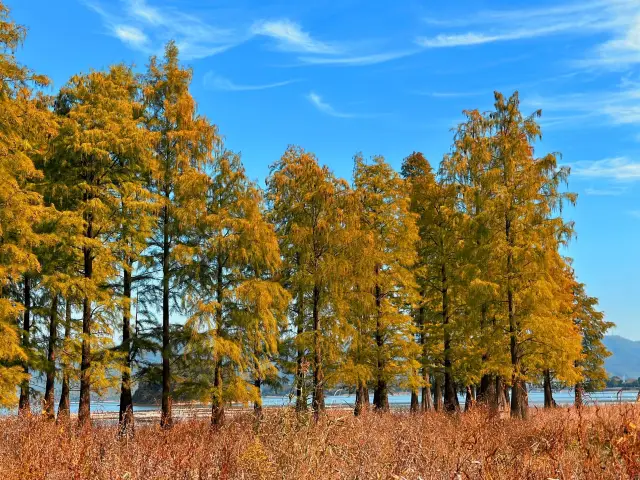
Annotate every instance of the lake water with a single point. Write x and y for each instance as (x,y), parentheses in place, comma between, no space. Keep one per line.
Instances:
(400,400)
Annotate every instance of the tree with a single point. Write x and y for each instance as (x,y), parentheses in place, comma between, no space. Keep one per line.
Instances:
(183,149)
(66,354)
(235,305)
(99,143)
(437,269)
(136,216)
(385,217)
(469,170)
(307,208)
(593,327)
(527,196)
(25,126)
(59,257)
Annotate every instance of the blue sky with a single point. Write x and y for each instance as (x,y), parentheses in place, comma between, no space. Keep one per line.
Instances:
(389,78)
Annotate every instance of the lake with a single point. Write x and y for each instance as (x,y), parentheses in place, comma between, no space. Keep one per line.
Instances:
(400,400)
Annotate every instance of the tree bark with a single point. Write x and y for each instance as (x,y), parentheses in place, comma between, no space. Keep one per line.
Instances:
(502,394)
(548,392)
(361,400)
(217,406)
(65,405)
(381,391)
(49,400)
(301,394)
(166,419)
(426,402)
(126,400)
(469,400)
(24,405)
(257,405)
(415,403)
(519,389)
(425,394)
(520,392)
(437,395)
(318,373)
(487,393)
(579,391)
(84,408)
(450,396)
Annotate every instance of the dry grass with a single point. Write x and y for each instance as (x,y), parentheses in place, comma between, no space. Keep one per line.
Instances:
(596,443)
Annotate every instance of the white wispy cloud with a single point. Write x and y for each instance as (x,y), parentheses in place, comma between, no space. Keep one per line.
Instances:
(131,35)
(291,37)
(358,60)
(317,101)
(147,28)
(619,105)
(618,168)
(218,82)
(634,213)
(622,49)
(474,38)
(511,25)
(606,192)
(518,15)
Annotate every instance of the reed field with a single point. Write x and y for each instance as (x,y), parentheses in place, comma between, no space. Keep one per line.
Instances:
(562,443)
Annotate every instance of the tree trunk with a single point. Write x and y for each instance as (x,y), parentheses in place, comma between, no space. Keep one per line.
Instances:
(257,405)
(217,407)
(166,419)
(24,405)
(49,399)
(579,391)
(450,396)
(126,400)
(520,391)
(84,408)
(301,394)
(318,374)
(502,394)
(64,406)
(548,393)
(415,403)
(425,394)
(426,403)
(437,395)
(362,397)
(487,393)
(381,391)
(468,400)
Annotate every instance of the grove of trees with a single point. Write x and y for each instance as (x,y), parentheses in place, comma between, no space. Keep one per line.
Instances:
(127,229)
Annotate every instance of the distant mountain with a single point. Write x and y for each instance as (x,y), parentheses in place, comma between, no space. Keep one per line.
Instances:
(625,358)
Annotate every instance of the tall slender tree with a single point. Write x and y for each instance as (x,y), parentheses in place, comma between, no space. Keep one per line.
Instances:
(183,149)
(527,197)
(307,207)
(384,206)
(100,138)
(25,126)
(235,305)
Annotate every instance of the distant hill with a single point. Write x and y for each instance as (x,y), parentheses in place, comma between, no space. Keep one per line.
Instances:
(625,358)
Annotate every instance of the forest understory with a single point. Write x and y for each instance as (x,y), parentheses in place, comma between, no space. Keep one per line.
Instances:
(562,443)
